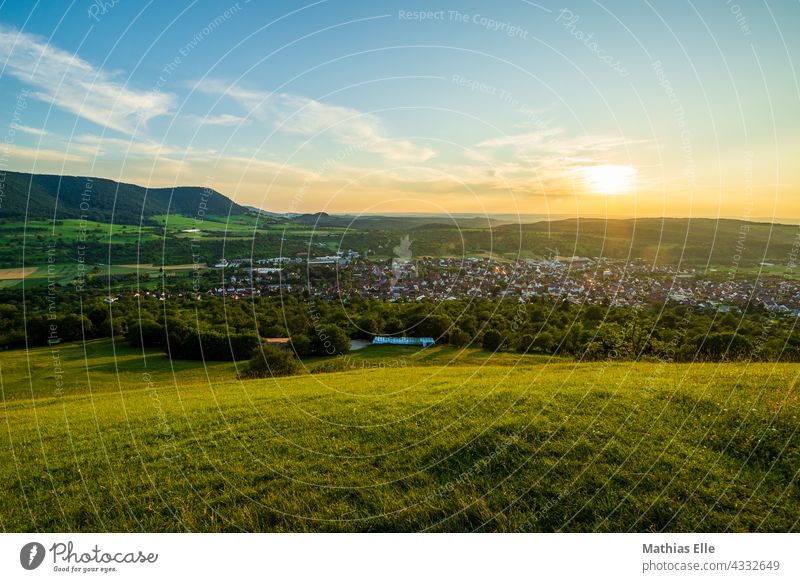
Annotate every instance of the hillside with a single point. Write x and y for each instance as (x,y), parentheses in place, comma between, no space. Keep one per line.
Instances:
(34,197)
(520,446)
(696,241)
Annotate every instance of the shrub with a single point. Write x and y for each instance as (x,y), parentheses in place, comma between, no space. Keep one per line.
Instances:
(271,362)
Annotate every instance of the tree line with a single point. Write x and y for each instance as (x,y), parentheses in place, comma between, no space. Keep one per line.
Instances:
(215,328)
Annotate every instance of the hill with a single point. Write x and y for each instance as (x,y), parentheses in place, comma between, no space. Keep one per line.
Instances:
(521,446)
(34,197)
(695,241)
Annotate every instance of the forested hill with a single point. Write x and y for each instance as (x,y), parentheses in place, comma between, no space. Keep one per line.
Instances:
(663,240)
(43,197)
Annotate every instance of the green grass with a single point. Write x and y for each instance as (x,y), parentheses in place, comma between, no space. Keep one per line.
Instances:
(441,355)
(485,443)
(70,230)
(208,223)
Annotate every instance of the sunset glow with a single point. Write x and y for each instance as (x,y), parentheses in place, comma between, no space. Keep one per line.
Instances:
(609,179)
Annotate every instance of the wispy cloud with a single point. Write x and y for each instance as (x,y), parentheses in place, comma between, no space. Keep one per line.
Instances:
(36,155)
(300,115)
(555,140)
(97,146)
(225,119)
(75,85)
(521,140)
(30,130)
(252,100)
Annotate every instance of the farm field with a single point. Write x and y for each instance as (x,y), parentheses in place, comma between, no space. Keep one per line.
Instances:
(19,273)
(65,273)
(61,273)
(471,442)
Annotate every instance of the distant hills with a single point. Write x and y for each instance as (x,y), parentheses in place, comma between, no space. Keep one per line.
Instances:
(691,241)
(687,241)
(44,197)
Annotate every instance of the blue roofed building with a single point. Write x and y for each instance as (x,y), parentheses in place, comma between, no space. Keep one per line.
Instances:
(383,340)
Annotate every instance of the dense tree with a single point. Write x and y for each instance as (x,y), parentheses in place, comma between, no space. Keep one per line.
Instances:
(216,329)
(367,327)
(146,333)
(459,337)
(434,326)
(301,344)
(544,343)
(330,340)
(724,346)
(73,327)
(492,340)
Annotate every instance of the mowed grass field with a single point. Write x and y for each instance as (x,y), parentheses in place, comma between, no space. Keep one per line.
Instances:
(444,441)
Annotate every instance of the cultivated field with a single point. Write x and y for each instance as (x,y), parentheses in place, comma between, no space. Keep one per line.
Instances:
(437,440)
(18,273)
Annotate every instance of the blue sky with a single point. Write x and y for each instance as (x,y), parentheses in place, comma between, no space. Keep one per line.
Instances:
(646,108)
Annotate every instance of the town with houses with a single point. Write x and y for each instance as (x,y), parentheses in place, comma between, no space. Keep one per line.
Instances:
(610,282)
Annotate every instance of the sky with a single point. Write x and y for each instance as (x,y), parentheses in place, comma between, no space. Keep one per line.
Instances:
(651,108)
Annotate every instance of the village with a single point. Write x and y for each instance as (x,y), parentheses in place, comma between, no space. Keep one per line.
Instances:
(574,279)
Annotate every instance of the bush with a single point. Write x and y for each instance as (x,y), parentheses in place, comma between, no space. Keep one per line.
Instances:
(271,362)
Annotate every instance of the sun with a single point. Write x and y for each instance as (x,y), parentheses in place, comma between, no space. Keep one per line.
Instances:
(609,179)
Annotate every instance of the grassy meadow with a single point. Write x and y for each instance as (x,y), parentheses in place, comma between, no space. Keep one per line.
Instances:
(108,438)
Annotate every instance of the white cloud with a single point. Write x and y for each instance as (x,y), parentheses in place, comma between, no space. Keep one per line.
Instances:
(252,100)
(223,120)
(39,155)
(111,146)
(30,130)
(362,131)
(521,140)
(75,85)
(304,116)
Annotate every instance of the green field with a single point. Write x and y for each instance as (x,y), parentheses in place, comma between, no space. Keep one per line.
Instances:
(65,274)
(434,440)
(69,230)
